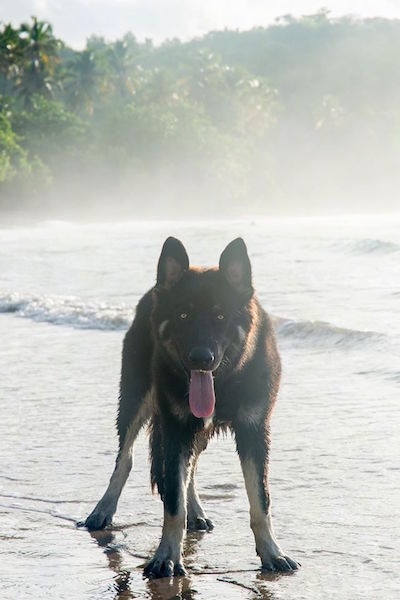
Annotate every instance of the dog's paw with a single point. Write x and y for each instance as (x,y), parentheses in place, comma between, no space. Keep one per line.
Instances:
(200,524)
(163,567)
(97,520)
(197,519)
(280,563)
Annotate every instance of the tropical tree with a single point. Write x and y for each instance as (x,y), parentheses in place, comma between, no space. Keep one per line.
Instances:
(19,170)
(82,82)
(39,56)
(11,153)
(120,69)
(49,131)
(9,56)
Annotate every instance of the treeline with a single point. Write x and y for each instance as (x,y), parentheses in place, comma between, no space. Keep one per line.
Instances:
(304,113)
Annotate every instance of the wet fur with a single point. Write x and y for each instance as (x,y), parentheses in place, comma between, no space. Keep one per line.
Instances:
(215,309)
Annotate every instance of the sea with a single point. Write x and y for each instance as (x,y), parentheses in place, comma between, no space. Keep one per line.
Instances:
(68,293)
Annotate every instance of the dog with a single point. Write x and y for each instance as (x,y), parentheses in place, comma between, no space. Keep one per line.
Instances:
(200,357)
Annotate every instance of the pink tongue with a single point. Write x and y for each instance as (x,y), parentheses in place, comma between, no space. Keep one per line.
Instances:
(201,394)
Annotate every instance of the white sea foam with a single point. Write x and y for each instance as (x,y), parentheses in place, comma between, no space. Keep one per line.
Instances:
(374,246)
(71,312)
(323,333)
(68,311)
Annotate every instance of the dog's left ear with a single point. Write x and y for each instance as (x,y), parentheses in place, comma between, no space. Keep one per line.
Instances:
(235,265)
(172,264)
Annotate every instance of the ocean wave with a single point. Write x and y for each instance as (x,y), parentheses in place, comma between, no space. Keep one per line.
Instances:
(373,246)
(68,311)
(322,333)
(72,312)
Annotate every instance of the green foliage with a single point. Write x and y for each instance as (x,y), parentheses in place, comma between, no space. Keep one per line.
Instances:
(28,59)
(12,156)
(19,171)
(306,108)
(49,130)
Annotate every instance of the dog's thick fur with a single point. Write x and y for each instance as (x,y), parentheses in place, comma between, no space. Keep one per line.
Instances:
(204,328)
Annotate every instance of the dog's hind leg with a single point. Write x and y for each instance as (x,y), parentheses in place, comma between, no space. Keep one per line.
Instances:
(252,445)
(135,407)
(197,519)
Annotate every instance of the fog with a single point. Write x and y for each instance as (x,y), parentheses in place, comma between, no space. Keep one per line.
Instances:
(296,119)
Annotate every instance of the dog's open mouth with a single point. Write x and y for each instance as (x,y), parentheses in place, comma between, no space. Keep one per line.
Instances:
(201,394)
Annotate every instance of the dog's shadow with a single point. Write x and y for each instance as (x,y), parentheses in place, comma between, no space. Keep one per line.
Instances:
(125,582)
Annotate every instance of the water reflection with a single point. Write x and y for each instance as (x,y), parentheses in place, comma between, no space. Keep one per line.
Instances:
(178,588)
(205,583)
(106,539)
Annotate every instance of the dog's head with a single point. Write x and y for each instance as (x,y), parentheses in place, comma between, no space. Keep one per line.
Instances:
(199,317)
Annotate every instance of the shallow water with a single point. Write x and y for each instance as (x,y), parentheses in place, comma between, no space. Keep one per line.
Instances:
(67,295)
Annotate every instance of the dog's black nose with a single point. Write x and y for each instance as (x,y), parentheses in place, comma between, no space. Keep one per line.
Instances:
(201,358)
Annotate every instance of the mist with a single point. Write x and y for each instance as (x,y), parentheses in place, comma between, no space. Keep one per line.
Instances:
(298,118)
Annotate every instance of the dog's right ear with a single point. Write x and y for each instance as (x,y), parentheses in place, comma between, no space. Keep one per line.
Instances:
(172,264)
(234,264)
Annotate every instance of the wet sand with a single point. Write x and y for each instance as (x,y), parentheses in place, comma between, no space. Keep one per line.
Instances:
(58,445)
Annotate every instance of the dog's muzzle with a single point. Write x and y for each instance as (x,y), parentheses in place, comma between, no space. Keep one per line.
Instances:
(201,359)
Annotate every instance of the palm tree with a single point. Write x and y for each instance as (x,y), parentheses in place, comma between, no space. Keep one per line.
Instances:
(9,52)
(39,56)
(82,82)
(120,68)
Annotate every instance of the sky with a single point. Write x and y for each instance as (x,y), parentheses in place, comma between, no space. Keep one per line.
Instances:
(75,20)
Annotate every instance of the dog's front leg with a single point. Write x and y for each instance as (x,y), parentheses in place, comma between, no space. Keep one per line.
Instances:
(101,516)
(167,561)
(252,445)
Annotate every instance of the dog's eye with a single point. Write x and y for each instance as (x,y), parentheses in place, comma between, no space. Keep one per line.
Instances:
(183,315)
(220,317)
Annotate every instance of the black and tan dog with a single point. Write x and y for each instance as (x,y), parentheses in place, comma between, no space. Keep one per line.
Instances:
(199,357)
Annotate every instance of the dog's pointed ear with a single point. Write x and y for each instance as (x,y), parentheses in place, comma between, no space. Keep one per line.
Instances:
(235,266)
(172,264)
